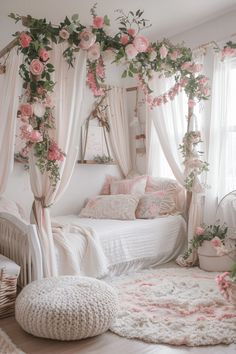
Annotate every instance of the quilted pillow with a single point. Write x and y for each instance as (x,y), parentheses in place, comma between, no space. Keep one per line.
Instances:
(154,205)
(120,207)
(135,185)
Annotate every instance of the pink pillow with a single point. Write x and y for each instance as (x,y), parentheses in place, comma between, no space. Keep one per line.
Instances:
(135,185)
(106,188)
(154,205)
(168,185)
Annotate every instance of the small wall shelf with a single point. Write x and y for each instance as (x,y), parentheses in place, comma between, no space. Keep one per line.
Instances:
(92,162)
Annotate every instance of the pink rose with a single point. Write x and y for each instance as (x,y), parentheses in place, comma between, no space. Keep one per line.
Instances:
(87,39)
(196,68)
(24,40)
(199,231)
(94,52)
(141,43)
(132,32)
(64,34)
(54,153)
(216,242)
(26,110)
(36,67)
(191,103)
(43,54)
(174,55)
(98,22)
(131,51)
(40,90)
(163,51)
(124,39)
(35,136)
(228,52)
(26,130)
(48,101)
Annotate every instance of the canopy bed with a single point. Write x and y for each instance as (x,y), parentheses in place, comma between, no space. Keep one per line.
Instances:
(51,130)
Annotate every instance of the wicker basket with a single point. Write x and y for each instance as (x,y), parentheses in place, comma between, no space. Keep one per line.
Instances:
(8,289)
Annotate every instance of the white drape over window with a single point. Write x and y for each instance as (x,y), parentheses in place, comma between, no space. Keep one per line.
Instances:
(69,114)
(118,120)
(221,177)
(10,88)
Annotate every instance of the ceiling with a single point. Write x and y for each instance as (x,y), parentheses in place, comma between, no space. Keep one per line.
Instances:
(168,17)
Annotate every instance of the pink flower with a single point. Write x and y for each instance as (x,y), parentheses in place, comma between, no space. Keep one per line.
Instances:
(187,66)
(64,34)
(54,153)
(26,110)
(36,67)
(191,103)
(228,52)
(40,90)
(141,43)
(216,242)
(87,39)
(132,32)
(98,22)
(199,231)
(24,40)
(26,130)
(25,151)
(35,136)
(183,82)
(163,52)
(131,51)
(174,55)
(94,52)
(124,39)
(48,102)
(203,80)
(196,68)
(43,54)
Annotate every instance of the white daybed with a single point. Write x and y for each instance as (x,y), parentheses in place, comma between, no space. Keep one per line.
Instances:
(126,245)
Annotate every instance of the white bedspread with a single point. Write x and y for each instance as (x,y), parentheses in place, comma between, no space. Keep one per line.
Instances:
(122,244)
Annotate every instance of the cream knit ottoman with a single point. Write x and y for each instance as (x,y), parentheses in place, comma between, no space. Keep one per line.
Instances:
(66,307)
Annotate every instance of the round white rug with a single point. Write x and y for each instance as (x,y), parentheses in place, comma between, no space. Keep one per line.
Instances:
(177,306)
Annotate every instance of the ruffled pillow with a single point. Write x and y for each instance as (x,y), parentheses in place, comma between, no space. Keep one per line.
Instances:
(154,205)
(135,185)
(121,207)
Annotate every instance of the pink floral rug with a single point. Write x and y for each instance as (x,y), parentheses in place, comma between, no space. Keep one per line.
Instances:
(178,306)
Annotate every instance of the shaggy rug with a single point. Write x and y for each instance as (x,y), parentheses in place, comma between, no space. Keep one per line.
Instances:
(6,345)
(177,306)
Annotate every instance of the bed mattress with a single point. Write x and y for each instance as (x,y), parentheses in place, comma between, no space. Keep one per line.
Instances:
(132,244)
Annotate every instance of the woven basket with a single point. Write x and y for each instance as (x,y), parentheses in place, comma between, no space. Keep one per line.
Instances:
(8,289)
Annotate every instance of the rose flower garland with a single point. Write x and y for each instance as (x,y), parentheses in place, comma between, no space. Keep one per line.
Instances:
(141,57)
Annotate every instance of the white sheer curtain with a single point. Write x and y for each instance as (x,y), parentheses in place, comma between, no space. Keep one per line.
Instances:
(221,177)
(69,96)
(118,120)
(10,88)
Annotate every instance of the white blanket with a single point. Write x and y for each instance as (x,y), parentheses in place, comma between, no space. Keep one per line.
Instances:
(79,249)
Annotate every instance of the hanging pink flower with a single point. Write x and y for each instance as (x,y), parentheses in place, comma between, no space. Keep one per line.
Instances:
(197,68)
(228,52)
(35,136)
(26,130)
(43,54)
(199,231)
(187,66)
(124,39)
(26,109)
(203,80)
(98,22)
(163,51)
(24,40)
(174,55)
(54,153)
(132,32)
(87,39)
(64,34)
(141,43)
(40,90)
(94,52)
(191,103)
(131,51)
(36,67)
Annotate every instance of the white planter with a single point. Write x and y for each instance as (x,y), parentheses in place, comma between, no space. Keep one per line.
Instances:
(210,261)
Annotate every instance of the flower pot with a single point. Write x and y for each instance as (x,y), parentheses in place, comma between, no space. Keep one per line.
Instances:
(210,261)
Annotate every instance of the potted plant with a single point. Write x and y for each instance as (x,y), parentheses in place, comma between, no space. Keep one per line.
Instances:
(216,252)
(227,284)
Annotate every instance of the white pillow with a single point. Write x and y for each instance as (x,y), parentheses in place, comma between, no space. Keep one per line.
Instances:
(135,185)
(121,207)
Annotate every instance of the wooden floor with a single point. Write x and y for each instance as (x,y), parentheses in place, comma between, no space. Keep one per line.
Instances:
(107,343)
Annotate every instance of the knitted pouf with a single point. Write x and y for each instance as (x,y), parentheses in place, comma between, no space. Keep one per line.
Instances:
(66,307)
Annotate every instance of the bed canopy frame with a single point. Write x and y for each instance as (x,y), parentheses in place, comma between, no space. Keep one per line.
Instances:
(141,57)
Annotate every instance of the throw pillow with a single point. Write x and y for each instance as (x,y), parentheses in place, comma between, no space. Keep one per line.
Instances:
(121,207)
(135,185)
(154,205)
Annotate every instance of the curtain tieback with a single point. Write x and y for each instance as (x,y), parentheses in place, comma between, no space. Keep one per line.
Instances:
(42,201)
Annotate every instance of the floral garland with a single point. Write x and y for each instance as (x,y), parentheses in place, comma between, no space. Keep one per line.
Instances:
(141,57)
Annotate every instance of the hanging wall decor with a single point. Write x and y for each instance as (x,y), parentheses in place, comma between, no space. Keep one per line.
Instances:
(141,58)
